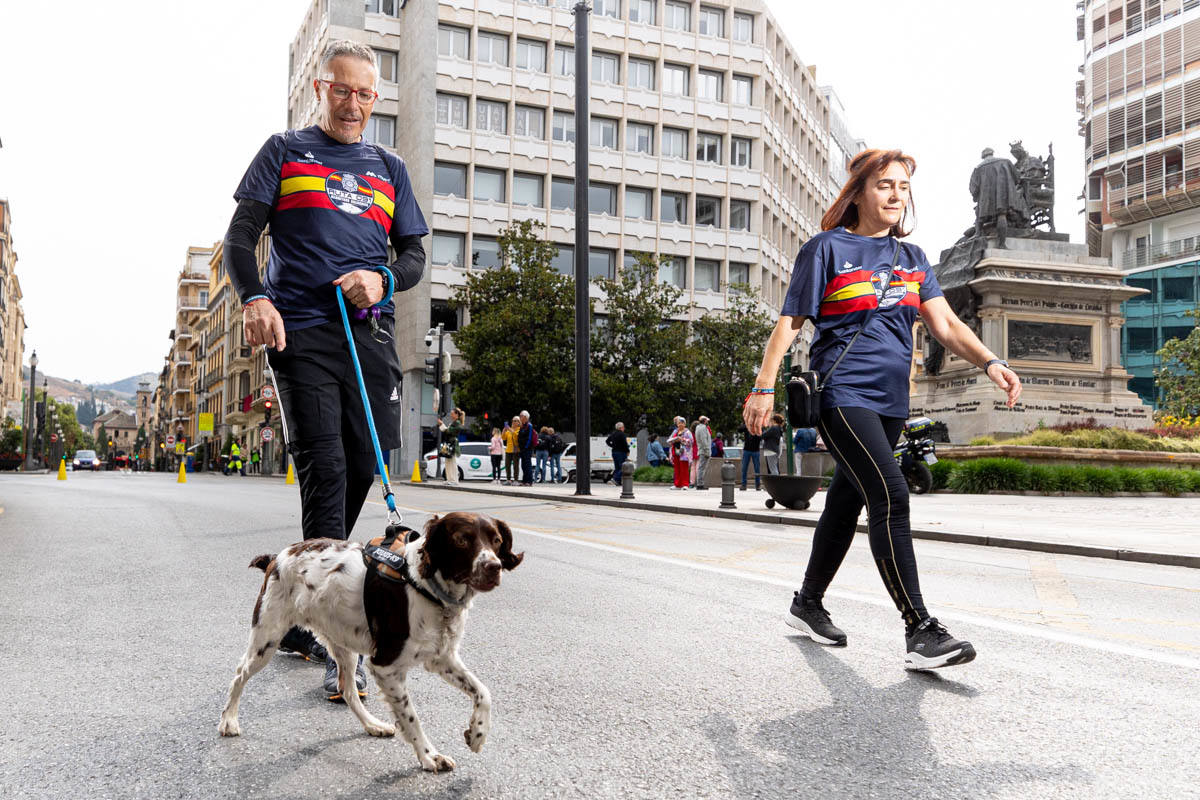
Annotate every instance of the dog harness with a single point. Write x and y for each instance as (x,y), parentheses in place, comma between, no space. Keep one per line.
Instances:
(384,555)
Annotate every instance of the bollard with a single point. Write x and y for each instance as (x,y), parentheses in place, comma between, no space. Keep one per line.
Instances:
(728,477)
(627,480)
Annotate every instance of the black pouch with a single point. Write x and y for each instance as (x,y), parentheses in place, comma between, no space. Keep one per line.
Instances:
(804,399)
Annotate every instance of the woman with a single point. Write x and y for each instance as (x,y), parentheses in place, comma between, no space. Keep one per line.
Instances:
(836,284)
(556,448)
(542,453)
(510,449)
(450,447)
(496,451)
(771,439)
(655,455)
(680,442)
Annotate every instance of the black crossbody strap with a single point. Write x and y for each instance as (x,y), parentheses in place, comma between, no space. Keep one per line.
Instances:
(887,283)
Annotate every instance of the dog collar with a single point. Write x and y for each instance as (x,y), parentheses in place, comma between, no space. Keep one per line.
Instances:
(375,556)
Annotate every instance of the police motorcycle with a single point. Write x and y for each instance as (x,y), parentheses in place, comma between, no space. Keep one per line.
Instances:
(915,453)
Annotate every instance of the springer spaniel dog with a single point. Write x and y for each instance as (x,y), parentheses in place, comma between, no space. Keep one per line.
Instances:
(414,614)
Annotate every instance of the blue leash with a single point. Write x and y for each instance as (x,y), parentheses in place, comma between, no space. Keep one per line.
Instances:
(388,498)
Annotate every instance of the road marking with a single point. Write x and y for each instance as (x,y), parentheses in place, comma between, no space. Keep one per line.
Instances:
(1062,637)
(1060,608)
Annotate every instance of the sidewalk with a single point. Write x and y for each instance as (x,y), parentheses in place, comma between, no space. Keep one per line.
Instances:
(1156,530)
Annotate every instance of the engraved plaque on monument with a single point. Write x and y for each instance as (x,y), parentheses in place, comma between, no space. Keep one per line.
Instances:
(1036,300)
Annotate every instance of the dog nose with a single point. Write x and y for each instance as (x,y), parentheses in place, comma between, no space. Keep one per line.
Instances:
(491,569)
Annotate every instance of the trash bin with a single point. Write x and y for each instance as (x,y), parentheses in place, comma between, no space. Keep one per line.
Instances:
(191,463)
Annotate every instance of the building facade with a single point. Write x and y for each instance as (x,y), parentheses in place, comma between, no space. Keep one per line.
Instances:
(1140,104)
(12,322)
(174,398)
(709,139)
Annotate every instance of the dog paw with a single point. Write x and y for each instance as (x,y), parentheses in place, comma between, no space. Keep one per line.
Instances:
(436,762)
(381,729)
(229,727)
(475,738)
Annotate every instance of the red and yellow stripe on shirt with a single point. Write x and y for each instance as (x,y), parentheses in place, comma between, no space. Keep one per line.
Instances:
(303,186)
(854,291)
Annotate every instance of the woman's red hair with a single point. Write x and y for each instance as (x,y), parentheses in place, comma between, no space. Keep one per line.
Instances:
(863,167)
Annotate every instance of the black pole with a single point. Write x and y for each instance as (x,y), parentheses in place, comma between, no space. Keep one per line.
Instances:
(583,349)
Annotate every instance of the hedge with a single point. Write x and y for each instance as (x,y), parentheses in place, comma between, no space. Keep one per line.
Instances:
(650,474)
(1011,475)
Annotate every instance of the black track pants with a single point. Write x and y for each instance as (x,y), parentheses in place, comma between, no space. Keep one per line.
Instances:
(862,443)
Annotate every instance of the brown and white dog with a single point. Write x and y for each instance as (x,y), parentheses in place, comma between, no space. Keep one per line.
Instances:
(323,585)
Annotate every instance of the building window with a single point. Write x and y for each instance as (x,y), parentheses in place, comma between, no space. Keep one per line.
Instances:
(712,21)
(606,67)
(739,215)
(387,7)
(564,127)
(673,270)
(1142,340)
(602,199)
(739,273)
(1178,289)
(531,55)
(385,62)
(564,261)
(710,85)
(604,133)
(489,185)
(674,143)
(1170,332)
(528,190)
(707,275)
(708,211)
(743,27)
(485,252)
(708,147)
(531,122)
(1143,283)
(677,16)
(743,90)
(675,79)
(447,248)
(440,311)
(602,263)
(452,110)
(640,74)
(642,11)
(673,207)
(381,129)
(449,179)
(454,42)
(639,138)
(607,8)
(639,203)
(740,149)
(562,194)
(564,60)
(492,48)
(491,115)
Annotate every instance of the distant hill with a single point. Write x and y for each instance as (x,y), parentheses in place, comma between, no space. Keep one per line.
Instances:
(129,386)
(118,394)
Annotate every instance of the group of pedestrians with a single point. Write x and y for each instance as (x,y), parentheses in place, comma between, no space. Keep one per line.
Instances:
(512,448)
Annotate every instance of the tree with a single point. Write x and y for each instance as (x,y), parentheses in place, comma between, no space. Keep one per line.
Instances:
(728,349)
(102,441)
(1178,377)
(640,359)
(519,341)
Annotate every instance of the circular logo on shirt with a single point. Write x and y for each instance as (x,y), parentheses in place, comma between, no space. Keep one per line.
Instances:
(349,193)
(893,294)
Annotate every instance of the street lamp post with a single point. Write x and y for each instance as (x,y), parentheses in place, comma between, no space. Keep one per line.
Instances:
(583,359)
(32,404)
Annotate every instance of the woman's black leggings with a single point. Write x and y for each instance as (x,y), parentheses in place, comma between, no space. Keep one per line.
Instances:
(862,443)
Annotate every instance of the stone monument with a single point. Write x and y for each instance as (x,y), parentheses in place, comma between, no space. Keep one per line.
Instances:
(1036,300)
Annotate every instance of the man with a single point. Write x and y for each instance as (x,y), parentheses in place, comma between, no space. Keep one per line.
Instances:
(450,444)
(334,201)
(526,441)
(997,195)
(618,443)
(703,451)
(803,442)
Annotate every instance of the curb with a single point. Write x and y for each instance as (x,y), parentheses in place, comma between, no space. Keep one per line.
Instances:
(1059,548)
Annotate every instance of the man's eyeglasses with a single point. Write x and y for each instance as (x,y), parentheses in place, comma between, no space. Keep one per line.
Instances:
(342,92)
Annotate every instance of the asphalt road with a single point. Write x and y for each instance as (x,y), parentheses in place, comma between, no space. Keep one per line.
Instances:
(632,654)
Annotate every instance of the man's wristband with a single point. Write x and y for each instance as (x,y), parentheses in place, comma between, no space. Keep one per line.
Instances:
(254,299)
(757,390)
(389,284)
(999,361)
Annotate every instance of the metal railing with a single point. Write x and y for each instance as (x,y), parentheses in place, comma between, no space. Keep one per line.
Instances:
(1162,251)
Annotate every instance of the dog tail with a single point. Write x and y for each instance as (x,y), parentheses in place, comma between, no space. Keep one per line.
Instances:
(261,562)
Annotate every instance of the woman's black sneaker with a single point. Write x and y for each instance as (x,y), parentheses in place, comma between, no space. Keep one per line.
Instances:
(810,618)
(931,646)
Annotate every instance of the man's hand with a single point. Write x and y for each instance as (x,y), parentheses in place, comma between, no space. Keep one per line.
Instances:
(363,287)
(1007,380)
(757,412)
(263,325)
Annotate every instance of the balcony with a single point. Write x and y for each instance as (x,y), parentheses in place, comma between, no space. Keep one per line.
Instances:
(1173,250)
(193,278)
(183,332)
(190,303)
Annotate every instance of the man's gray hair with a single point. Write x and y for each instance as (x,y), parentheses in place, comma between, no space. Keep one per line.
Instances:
(346,47)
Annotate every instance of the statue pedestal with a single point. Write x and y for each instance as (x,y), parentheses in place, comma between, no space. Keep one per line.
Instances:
(1054,314)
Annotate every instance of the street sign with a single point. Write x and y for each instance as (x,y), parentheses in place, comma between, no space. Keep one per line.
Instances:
(206,422)
(268,393)
(268,434)
(54,437)
(170,439)
(179,448)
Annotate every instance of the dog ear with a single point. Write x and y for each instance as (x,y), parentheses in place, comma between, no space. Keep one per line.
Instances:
(435,542)
(508,559)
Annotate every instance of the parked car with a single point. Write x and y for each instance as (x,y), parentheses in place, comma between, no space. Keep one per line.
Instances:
(474,462)
(86,459)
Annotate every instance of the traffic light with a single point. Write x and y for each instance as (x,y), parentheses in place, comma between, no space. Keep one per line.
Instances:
(267,412)
(432,365)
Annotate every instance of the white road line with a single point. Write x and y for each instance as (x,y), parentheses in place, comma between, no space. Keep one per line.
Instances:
(959,616)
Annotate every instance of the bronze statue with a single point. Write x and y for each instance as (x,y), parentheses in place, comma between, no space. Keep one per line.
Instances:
(995,187)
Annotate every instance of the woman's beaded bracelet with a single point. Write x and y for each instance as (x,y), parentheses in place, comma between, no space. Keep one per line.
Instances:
(757,390)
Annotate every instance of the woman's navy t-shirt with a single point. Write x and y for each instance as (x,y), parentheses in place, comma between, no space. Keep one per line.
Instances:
(836,282)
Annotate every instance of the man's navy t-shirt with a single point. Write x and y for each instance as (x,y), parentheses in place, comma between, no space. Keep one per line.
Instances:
(836,281)
(332,207)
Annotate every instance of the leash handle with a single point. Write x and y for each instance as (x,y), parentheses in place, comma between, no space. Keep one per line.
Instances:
(362,390)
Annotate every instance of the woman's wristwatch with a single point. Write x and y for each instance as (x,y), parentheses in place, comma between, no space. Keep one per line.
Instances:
(999,361)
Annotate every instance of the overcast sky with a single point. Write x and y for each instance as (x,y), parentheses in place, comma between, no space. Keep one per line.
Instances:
(126,126)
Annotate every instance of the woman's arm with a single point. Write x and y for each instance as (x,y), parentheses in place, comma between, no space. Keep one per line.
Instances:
(945,326)
(759,407)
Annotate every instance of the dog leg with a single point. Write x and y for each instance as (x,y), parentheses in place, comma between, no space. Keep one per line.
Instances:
(264,639)
(346,662)
(455,673)
(391,680)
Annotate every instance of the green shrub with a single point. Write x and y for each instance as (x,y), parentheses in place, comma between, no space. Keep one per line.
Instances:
(1043,479)
(1010,475)
(981,441)
(650,474)
(1070,478)
(990,475)
(1103,439)
(1100,480)
(1169,481)
(942,471)
(1193,479)
(1133,480)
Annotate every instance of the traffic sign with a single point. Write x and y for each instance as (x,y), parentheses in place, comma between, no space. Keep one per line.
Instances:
(170,439)
(268,434)
(54,437)
(268,393)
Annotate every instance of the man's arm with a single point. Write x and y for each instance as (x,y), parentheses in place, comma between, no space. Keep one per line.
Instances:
(261,322)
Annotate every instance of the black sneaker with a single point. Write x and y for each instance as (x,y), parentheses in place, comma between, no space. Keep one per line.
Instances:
(301,642)
(810,618)
(931,646)
(331,680)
